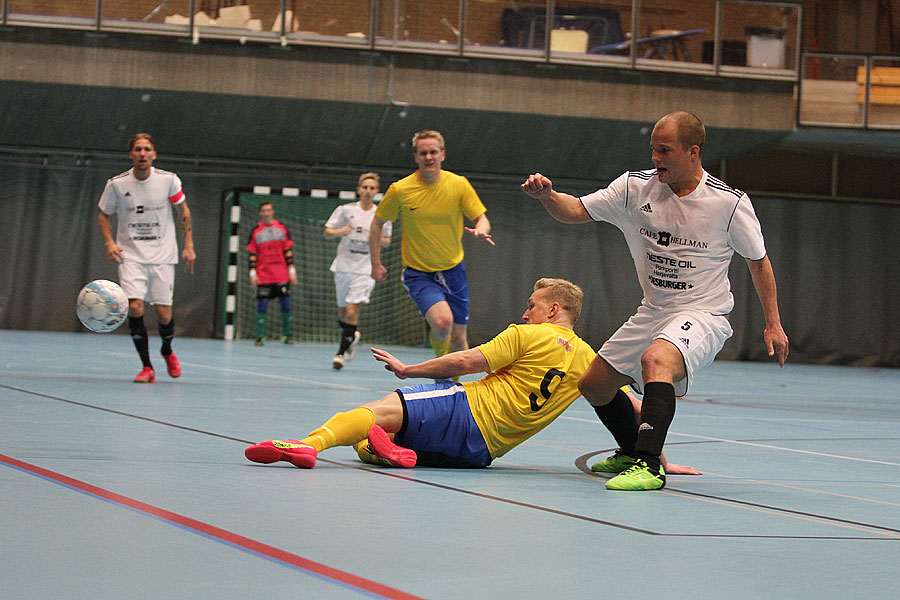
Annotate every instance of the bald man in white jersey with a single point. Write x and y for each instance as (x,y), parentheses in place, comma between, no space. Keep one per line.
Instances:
(145,247)
(682,227)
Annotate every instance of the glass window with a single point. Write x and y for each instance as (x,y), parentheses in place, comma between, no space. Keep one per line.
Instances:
(68,14)
(884,92)
(230,17)
(673,32)
(430,26)
(340,23)
(829,90)
(173,15)
(761,36)
(505,28)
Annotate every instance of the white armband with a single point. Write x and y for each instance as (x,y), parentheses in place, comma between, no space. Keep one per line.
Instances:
(292,270)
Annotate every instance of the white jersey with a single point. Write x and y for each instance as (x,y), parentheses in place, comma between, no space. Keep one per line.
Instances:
(681,246)
(353,250)
(145,228)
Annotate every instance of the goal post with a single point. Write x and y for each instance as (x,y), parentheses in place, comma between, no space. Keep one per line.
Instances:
(390,317)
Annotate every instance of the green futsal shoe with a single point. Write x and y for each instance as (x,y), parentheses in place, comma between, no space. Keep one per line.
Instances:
(616,463)
(638,477)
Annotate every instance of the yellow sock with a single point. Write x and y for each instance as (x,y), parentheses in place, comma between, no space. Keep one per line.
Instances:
(365,453)
(441,347)
(343,429)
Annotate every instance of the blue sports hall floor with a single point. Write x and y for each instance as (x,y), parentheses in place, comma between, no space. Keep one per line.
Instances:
(116,490)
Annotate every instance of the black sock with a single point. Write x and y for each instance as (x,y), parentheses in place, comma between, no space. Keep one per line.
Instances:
(139,337)
(618,416)
(657,412)
(348,332)
(167,332)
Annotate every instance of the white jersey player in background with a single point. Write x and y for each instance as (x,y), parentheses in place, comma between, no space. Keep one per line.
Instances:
(145,247)
(682,227)
(351,266)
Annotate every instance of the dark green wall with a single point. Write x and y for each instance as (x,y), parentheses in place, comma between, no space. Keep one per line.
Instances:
(836,275)
(334,134)
(59,144)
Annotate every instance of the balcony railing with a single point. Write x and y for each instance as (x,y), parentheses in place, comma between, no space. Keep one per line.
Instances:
(729,38)
(860,91)
(725,38)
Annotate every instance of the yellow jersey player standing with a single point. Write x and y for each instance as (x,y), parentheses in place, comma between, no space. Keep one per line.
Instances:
(431,204)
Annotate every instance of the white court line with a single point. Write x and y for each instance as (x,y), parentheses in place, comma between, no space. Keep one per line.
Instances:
(337,386)
(827,493)
(323,384)
(767,446)
(777,513)
(770,447)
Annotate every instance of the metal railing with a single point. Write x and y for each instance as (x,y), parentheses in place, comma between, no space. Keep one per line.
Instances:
(663,42)
(859,91)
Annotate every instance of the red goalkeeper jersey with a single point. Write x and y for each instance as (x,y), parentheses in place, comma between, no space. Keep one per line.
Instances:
(269,243)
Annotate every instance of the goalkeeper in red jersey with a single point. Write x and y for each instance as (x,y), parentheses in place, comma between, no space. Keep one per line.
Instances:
(272,270)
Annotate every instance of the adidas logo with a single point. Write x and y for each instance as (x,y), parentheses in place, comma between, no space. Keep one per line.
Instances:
(645,427)
(646,208)
(686,342)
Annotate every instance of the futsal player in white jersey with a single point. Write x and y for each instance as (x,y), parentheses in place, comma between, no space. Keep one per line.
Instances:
(145,247)
(682,227)
(351,266)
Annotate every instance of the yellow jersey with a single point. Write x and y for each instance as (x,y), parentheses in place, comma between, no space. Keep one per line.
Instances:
(533,379)
(431,215)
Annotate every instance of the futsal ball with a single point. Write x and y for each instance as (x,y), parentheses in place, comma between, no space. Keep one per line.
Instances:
(101,306)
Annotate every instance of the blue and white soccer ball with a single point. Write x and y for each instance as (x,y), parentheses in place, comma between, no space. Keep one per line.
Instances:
(101,306)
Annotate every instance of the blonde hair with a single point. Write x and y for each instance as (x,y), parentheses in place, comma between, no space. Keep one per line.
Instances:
(369,175)
(141,136)
(569,296)
(427,133)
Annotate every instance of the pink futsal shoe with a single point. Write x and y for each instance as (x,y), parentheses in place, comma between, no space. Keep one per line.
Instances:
(385,449)
(145,376)
(172,365)
(293,451)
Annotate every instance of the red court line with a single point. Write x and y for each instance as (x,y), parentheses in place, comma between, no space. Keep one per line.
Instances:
(342,577)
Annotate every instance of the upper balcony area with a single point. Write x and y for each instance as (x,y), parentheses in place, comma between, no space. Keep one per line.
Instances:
(858,86)
(791,75)
(708,37)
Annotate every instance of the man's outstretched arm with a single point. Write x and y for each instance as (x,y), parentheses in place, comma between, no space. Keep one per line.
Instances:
(450,365)
(565,208)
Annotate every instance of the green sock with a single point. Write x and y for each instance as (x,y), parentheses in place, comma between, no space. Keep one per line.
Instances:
(260,325)
(286,324)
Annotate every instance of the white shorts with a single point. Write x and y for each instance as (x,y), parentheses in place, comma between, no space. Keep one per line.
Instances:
(353,288)
(698,336)
(151,283)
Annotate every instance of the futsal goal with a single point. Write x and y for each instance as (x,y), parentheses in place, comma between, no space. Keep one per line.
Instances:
(390,317)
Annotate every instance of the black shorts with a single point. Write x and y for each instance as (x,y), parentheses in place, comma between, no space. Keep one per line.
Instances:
(273,290)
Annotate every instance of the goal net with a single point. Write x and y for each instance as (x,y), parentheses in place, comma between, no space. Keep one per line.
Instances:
(390,317)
